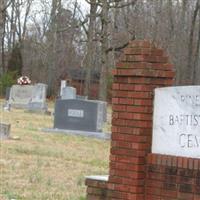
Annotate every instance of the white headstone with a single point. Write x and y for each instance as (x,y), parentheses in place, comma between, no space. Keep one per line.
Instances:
(20,95)
(68,93)
(176,121)
(62,85)
(38,100)
(28,96)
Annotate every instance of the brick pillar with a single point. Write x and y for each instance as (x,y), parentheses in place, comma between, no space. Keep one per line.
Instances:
(140,70)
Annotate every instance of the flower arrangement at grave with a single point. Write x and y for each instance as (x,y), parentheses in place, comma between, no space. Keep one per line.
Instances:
(24,80)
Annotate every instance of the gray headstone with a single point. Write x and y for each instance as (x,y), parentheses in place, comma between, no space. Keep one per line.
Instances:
(4,131)
(68,93)
(7,93)
(38,101)
(77,115)
(102,110)
(20,95)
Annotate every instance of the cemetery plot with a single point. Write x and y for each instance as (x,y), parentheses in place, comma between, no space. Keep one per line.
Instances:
(40,166)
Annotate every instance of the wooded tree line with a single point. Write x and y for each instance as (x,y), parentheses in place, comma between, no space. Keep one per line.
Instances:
(45,38)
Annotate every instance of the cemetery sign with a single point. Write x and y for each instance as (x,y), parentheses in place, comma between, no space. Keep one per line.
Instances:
(176,127)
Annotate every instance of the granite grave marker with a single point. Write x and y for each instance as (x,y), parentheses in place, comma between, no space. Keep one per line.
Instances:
(77,114)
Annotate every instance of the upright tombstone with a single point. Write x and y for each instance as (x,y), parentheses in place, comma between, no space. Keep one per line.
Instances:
(38,100)
(140,70)
(62,85)
(4,131)
(7,93)
(102,106)
(73,114)
(68,93)
(20,96)
(31,97)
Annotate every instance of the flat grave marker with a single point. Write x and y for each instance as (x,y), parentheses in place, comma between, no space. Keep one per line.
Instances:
(4,131)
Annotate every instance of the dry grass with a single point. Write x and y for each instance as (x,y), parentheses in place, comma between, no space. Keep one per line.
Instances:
(42,166)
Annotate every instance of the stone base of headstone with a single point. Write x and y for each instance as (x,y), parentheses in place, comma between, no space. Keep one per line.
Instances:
(81,97)
(4,131)
(6,106)
(98,135)
(38,108)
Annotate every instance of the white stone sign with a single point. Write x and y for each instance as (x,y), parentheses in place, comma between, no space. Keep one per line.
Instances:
(75,113)
(176,121)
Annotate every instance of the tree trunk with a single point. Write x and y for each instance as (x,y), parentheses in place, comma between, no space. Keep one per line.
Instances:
(89,58)
(104,52)
(1,29)
(190,67)
(51,72)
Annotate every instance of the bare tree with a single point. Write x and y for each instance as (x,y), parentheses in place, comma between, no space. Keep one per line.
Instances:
(90,54)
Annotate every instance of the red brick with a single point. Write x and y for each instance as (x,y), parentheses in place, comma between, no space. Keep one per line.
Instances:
(115,86)
(127,152)
(130,132)
(143,51)
(144,58)
(119,107)
(127,159)
(156,176)
(135,116)
(196,197)
(196,161)
(185,196)
(139,109)
(141,43)
(125,166)
(190,163)
(185,163)
(153,190)
(144,80)
(127,174)
(130,145)
(180,162)
(174,161)
(132,123)
(153,197)
(154,183)
(126,181)
(115,100)
(132,94)
(145,73)
(169,193)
